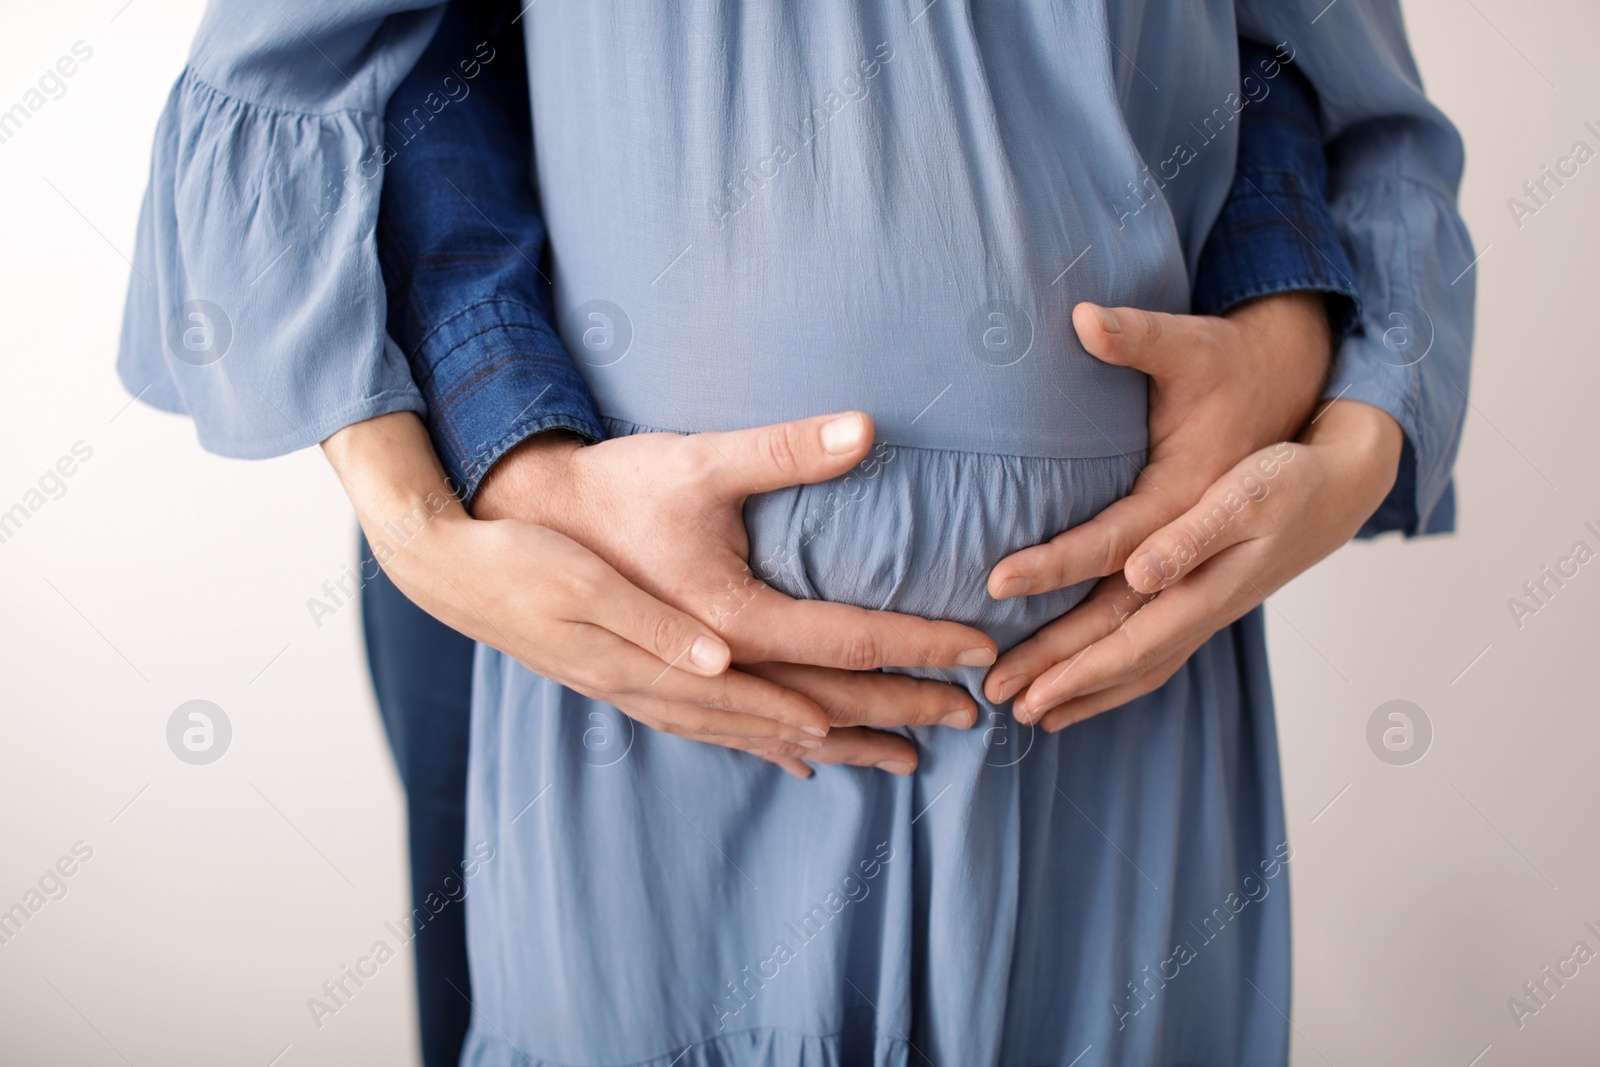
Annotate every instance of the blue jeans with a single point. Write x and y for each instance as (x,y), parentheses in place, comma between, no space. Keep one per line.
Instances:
(422,672)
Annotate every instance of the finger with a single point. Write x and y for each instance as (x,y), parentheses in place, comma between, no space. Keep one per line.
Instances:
(773,710)
(850,746)
(1100,546)
(1159,344)
(1085,707)
(636,681)
(1189,611)
(783,454)
(778,628)
(784,756)
(857,746)
(1223,517)
(700,720)
(599,596)
(872,698)
(795,767)
(1110,605)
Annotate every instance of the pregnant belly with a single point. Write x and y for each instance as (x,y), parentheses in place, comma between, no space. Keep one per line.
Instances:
(917,530)
(951,327)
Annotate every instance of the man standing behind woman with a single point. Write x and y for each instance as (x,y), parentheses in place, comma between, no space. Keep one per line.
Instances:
(1223,390)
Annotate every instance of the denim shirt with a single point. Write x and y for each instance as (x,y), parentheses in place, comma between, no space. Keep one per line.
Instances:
(460,240)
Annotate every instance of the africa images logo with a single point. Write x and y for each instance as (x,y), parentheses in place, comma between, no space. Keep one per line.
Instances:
(199,732)
(1399,732)
(199,333)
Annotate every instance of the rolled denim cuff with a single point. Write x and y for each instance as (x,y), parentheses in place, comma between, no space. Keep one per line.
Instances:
(494,375)
(1275,235)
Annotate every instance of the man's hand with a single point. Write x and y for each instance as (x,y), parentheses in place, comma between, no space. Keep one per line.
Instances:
(666,512)
(1268,519)
(1220,388)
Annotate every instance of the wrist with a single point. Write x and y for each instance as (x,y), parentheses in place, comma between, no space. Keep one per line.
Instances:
(388,463)
(1366,437)
(530,481)
(393,478)
(1292,346)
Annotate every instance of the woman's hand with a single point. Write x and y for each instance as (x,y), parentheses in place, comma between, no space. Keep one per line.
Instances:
(567,613)
(1271,517)
(1220,388)
(548,601)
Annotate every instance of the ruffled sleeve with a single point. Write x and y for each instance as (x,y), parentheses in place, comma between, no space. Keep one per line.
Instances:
(256,304)
(1394,169)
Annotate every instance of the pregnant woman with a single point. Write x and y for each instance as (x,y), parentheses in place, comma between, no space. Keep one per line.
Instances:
(759,215)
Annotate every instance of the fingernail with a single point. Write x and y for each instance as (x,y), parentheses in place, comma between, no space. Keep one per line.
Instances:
(895,766)
(843,434)
(1007,689)
(976,657)
(811,744)
(814,731)
(961,718)
(1036,715)
(709,654)
(1149,573)
(1108,319)
(1015,586)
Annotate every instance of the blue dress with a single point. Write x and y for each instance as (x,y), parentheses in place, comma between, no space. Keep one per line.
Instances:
(761,214)
(876,221)
(1020,899)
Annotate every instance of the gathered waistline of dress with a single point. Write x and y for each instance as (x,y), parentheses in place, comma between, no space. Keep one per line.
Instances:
(1113,455)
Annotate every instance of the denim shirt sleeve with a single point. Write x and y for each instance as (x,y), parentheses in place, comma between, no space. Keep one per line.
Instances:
(1275,233)
(460,238)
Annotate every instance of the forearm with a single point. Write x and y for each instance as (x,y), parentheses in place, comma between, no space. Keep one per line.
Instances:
(403,502)
(460,239)
(389,468)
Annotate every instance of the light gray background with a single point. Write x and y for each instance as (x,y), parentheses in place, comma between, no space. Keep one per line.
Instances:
(220,897)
